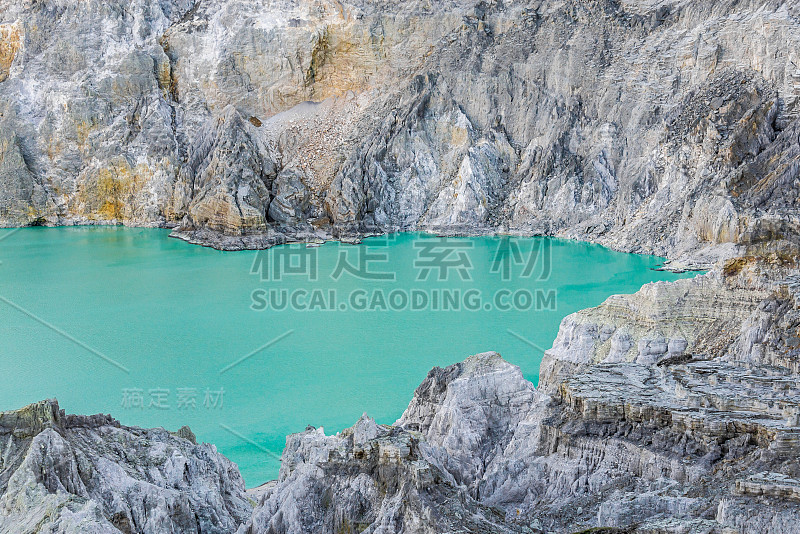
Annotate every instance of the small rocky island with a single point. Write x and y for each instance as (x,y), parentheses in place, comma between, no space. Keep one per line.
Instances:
(671,410)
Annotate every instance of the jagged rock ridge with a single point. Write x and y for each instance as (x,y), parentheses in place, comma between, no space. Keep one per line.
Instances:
(69,473)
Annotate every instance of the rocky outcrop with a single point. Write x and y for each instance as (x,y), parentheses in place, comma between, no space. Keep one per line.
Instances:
(671,410)
(370,478)
(68,473)
(676,409)
(227,181)
(22,199)
(657,127)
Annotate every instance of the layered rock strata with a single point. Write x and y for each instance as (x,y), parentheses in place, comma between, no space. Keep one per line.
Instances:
(649,126)
(671,410)
(71,473)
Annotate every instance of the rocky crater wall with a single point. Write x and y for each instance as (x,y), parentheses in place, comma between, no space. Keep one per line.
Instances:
(667,127)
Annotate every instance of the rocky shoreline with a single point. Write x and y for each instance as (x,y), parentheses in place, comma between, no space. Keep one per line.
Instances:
(647,126)
(662,127)
(676,409)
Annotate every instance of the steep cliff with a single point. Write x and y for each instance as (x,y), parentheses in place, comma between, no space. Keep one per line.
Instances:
(651,126)
(671,410)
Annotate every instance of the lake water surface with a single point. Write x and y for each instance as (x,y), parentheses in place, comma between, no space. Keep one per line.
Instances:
(161,333)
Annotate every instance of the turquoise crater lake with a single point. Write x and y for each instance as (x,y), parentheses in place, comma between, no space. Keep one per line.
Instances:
(161,333)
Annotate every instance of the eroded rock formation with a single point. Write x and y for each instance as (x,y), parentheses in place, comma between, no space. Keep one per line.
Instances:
(665,127)
(671,410)
(71,473)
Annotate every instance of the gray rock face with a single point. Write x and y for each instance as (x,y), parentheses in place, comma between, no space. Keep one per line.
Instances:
(21,198)
(405,478)
(649,126)
(226,186)
(671,410)
(676,409)
(369,478)
(67,473)
(464,431)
